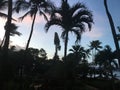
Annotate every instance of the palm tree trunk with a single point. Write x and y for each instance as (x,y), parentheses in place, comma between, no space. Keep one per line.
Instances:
(32,27)
(65,64)
(112,27)
(56,50)
(8,24)
(4,65)
(65,48)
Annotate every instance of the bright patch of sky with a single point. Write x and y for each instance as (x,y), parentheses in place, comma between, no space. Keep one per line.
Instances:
(40,39)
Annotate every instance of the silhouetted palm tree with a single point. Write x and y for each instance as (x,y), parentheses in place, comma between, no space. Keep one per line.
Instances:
(71,19)
(95,46)
(4,64)
(33,7)
(7,32)
(13,32)
(80,52)
(112,28)
(105,59)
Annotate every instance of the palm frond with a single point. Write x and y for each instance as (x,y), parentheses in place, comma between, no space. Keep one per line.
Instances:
(53,22)
(82,13)
(3,4)
(87,20)
(48,6)
(63,35)
(78,34)
(76,7)
(71,50)
(45,16)
(79,26)
(3,15)
(21,5)
(22,17)
(14,32)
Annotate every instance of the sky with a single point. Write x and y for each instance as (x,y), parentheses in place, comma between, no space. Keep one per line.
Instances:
(100,30)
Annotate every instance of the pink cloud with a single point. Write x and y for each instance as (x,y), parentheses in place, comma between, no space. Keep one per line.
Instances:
(94,33)
(39,19)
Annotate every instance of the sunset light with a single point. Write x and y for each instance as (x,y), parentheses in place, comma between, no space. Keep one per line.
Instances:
(59,45)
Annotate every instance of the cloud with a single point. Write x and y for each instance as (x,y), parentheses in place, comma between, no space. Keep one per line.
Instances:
(39,19)
(94,33)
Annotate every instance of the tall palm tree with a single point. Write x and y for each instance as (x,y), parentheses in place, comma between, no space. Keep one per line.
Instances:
(4,64)
(3,6)
(95,46)
(112,28)
(8,28)
(33,7)
(71,19)
(112,25)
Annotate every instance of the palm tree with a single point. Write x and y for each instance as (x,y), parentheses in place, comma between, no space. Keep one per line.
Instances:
(4,64)
(33,7)
(95,46)
(71,19)
(112,28)
(8,29)
(105,60)
(13,32)
(80,52)
(3,6)
(57,44)
(112,25)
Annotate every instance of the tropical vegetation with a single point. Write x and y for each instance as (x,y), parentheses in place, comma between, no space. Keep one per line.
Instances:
(31,69)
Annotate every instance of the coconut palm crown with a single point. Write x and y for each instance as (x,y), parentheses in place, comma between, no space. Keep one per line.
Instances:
(71,19)
(33,7)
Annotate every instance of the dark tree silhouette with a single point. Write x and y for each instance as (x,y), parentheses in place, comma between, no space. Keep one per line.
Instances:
(13,32)
(80,53)
(112,28)
(57,45)
(95,46)
(71,19)
(105,60)
(118,35)
(43,54)
(33,7)
(8,29)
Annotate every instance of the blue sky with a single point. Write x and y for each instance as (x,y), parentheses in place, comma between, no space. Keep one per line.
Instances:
(40,39)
